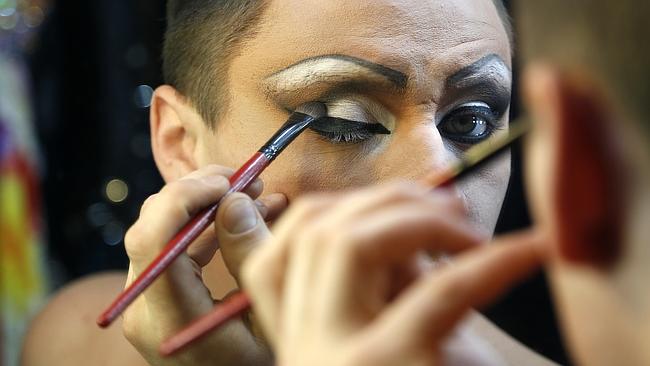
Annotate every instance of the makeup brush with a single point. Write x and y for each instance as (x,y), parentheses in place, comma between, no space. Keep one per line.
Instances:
(296,124)
(239,302)
(478,156)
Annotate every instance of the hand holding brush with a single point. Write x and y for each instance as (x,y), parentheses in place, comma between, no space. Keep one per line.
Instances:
(179,293)
(238,303)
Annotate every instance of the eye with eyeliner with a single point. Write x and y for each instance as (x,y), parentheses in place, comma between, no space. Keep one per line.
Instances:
(480,95)
(471,123)
(351,119)
(340,130)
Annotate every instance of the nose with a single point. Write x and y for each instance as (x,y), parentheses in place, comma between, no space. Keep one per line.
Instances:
(416,151)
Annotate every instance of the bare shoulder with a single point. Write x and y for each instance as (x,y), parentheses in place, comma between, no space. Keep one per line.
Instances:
(65,333)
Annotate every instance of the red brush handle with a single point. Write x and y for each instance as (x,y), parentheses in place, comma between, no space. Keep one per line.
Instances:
(179,243)
(231,307)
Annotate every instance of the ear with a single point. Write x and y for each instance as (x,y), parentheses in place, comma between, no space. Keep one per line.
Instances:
(574,166)
(174,129)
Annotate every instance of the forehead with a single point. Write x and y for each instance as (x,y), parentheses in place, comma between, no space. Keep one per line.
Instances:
(432,37)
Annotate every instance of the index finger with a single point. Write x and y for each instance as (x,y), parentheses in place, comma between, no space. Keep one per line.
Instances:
(254,190)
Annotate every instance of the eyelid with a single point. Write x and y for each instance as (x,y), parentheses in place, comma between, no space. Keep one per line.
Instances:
(496,110)
(496,94)
(474,104)
(359,108)
(353,119)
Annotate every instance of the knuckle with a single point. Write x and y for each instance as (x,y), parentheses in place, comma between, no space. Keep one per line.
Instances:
(340,240)
(133,235)
(237,196)
(213,169)
(451,287)
(348,244)
(248,272)
(457,205)
(403,186)
(147,202)
(312,236)
(258,185)
(174,199)
(447,200)
(358,355)
(262,207)
(219,169)
(253,273)
(304,205)
(129,330)
(135,241)
(435,219)
(322,231)
(221,181)
(174,189)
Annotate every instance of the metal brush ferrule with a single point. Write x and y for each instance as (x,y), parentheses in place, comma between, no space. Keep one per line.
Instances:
(294,126)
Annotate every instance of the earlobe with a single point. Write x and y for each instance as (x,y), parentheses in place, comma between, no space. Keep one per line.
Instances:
(173,135)
(584,174)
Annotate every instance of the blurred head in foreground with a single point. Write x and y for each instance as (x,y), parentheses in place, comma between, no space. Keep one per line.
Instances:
(587,88)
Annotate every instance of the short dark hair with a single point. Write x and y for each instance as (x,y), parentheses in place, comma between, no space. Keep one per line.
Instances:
(201,39)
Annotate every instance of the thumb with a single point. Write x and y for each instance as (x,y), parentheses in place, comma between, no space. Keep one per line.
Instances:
(240,228)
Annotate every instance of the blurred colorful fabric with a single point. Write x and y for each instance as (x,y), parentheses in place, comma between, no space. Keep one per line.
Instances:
(22,274)
(22,285)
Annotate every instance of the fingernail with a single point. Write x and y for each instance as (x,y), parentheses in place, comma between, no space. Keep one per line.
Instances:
(240,216)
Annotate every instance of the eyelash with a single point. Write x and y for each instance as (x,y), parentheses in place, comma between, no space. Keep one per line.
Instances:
(346,138)
(344,131)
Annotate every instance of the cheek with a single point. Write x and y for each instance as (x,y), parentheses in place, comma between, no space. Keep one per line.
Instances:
(231,143)
(312,164)
(484,193)
(315,166)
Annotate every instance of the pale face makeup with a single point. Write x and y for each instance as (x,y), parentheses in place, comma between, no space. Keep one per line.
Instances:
(435,74)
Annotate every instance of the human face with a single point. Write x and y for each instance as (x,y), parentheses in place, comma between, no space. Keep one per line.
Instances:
(423,69)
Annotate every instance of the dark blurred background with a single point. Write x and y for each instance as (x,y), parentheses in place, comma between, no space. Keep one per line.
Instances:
(93,69)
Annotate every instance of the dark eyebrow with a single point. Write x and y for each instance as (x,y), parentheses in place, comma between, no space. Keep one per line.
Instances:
(399,79)
(492,65)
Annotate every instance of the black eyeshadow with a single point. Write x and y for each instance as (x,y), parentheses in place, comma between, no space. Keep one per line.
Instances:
(328,125)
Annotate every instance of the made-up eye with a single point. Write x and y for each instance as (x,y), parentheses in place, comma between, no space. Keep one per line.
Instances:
(339,130)
(350,120)
(470,123)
